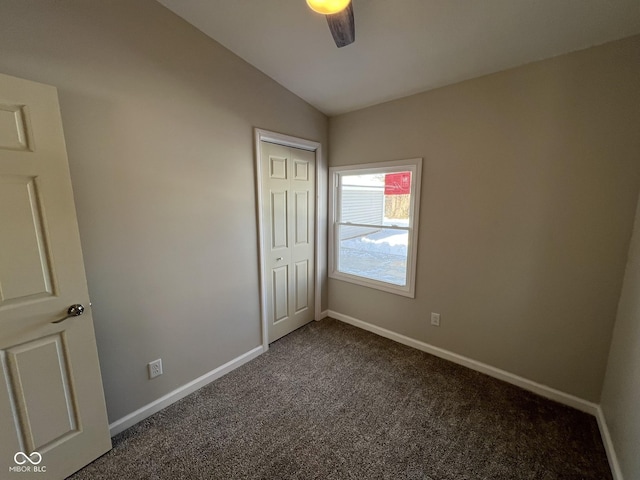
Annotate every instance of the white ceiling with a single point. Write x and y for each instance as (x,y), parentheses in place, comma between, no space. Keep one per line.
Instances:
(403,46)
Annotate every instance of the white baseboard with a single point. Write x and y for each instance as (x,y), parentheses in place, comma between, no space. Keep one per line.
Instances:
(181,392)
(323,314)
(543,390)
(608,445)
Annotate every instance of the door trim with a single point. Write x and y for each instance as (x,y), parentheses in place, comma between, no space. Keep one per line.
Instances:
(261,135)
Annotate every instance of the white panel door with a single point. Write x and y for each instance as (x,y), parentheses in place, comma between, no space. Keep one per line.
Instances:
(52,412)
(288,186)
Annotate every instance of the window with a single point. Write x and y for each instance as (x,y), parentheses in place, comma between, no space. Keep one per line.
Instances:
(373,224)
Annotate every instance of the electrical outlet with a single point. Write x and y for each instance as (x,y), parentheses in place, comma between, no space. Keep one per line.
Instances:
(435,319)
(155,368)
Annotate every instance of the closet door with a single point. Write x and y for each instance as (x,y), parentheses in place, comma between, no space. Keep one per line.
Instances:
(288,206)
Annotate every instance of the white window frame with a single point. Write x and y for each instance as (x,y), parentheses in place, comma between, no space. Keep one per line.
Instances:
(414,166)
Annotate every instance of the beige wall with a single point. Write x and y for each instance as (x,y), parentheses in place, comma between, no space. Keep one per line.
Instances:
(159,124)
(530,180)
(621,392)
(529,187)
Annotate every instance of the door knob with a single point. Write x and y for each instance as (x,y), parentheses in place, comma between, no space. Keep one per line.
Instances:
(74,310)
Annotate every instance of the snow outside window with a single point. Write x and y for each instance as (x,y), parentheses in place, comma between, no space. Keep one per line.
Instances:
(373,223)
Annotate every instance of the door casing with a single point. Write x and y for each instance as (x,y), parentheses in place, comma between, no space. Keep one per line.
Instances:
(303,144)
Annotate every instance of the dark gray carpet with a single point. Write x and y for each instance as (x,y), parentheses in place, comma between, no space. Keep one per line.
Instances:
(331,401)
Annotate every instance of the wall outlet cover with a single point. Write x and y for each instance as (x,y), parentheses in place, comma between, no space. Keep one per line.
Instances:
(155,368)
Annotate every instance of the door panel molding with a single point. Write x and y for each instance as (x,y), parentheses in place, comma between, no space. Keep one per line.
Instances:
(15,131)
(280,293)
(36,278)
(301,172)
(279,220)
(301,229)
(302,287)
(28,363)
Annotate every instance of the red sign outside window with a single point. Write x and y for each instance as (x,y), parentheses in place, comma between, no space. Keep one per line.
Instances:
(397,183)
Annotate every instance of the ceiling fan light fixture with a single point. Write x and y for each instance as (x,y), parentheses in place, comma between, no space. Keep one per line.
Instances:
(328,7)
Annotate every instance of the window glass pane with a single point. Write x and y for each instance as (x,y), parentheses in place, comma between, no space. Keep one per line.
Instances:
(376,199)
(362,199)
(378,254)
(397,198)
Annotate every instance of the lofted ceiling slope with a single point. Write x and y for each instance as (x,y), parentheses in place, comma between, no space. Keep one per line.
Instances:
(403,47)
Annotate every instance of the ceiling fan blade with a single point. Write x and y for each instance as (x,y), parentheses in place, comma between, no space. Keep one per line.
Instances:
(342,26)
